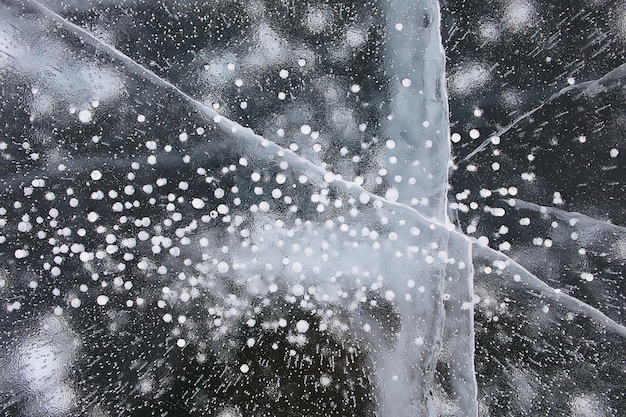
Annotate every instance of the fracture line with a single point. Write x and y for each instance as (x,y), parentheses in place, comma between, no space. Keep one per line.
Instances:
(272,149)
(532,281)
(564,215)
(230,127)
(613,75)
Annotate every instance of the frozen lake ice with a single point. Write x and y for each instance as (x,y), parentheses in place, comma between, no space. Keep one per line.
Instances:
(321,208)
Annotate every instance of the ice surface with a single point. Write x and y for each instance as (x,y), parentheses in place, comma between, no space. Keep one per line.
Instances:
(241,208)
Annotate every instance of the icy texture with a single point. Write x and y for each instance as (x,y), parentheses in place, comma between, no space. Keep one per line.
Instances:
(240,209)
(539,176)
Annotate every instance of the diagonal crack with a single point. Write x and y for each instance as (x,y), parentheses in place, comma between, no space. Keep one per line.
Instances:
(591,87)
(231,128)
(270,149)
(532,281)
(564,215)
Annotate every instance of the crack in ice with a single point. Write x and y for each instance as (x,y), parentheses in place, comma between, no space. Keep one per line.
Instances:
(563,214)
(535,283)
(234,129)
(591,87)
(456,242)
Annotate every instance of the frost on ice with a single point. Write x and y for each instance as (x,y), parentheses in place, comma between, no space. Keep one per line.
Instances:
(244,212)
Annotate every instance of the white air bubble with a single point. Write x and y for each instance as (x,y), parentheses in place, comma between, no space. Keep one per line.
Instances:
(85,116)
(222,267)
(392,195)
(197,203)
(302,326)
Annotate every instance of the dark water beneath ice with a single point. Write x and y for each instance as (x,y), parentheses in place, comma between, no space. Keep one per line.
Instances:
(158,260)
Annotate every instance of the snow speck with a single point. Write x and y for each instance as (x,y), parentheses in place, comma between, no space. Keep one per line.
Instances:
(181,343)
(244,368)
(305,129)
